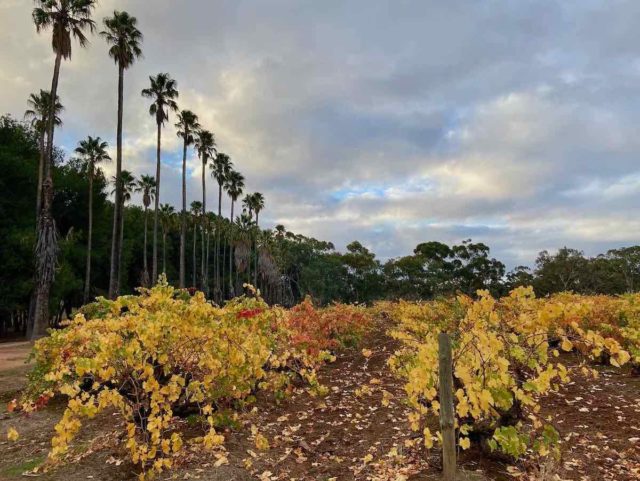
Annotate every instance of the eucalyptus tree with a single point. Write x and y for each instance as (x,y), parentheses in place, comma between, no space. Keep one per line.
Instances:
(187,127)
(167,221)
(234,185)
(146,185)
(122,34)
(220,169)
(37,114)
(93,151)
(196,212)
(68,20)
(164,92)
(205,145)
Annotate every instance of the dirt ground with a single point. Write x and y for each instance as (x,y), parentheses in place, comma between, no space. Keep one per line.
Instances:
(353,433)
(13,367)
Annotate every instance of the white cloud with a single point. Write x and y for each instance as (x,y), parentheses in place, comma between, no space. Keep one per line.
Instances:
(393,123)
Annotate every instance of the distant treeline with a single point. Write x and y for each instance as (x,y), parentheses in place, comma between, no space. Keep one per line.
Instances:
(289,266)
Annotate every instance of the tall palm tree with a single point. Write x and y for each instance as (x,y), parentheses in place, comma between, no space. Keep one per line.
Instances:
(37,113)
(163,90)
(187,126)
(220,169)
(122,34)
(257,203)
(146,185)
(167,218)
(247,217)
(205,144)
(94,151)
(247,204)
(234,185)
(254,203)
(196,211)
(68,19)
(128,185)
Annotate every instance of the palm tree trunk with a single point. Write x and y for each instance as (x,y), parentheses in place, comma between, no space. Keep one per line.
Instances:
(121,245)
(156,213)
(116,247)
(206,264)
(164,252)
(231,254)
(219,226)
(40,172)
(47,243)
(87,279)
(195,238)
(144,261)
(204,220)
(255,272)
(183,224)
(225,243)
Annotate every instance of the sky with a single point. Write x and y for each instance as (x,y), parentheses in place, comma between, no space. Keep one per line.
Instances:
(511,122)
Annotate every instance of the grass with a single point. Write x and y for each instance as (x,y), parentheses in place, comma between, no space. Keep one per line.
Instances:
(27,465)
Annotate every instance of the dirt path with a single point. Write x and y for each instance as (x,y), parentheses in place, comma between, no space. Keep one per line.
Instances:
(13,367)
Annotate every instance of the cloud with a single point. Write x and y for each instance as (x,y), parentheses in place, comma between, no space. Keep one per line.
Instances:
(389,122)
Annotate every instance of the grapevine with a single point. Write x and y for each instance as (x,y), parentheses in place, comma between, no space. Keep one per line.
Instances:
(165,353)
(505,361)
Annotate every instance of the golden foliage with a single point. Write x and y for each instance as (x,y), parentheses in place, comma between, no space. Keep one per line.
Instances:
(153,355)
(503,358)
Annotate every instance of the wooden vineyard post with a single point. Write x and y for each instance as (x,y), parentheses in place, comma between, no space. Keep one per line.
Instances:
(447,425)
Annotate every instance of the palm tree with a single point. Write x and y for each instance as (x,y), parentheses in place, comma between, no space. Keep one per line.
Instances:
(254,203)
(94,151)
(38,114)
(68,19)
(247,216)
(163,90)
(257,202)
(247,204)
(167,218)
(196,210)
(128,185)
(147,186)
(220,169)
(187,126)
(205,146)
(234,185)
(122,34)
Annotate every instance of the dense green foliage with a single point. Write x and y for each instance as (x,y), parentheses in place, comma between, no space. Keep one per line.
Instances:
(290,266)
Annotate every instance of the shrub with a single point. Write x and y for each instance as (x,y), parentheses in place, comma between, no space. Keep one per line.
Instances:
(331,327)
(164,353)
(503,365)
